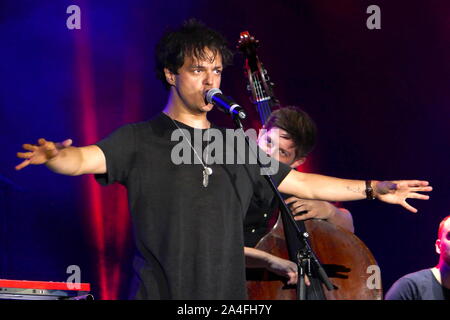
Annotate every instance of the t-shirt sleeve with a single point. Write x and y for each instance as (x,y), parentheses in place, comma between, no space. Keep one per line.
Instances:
(283,171)
(119,150)
(402,289)
(276,170)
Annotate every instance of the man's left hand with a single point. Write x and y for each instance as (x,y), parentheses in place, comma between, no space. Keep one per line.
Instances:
(396,192)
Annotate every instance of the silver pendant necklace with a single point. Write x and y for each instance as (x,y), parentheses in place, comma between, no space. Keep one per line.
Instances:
(207,171)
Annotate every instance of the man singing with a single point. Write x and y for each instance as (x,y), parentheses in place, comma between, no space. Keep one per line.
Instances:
(187,218)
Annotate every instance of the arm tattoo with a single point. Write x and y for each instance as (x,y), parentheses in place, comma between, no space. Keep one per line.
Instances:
(354,189)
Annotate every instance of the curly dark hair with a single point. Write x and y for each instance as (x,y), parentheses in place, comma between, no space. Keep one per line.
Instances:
(298,124)
(189,40)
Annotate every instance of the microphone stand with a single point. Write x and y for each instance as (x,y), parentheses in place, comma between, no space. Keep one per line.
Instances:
(305,258)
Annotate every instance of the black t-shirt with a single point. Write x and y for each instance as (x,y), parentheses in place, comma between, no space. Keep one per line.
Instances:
(189,238)
(420,285)
(259,220)
(262,209)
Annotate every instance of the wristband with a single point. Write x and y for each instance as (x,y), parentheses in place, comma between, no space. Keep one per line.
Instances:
(369,191)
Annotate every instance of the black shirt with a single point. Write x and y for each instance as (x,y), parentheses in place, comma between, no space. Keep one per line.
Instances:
(420,285)
(261,211)
(189,238)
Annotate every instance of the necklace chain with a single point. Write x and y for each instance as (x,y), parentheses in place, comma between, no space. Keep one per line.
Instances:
(207,171)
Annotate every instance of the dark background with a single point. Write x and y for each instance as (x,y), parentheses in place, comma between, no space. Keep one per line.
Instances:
(380,99)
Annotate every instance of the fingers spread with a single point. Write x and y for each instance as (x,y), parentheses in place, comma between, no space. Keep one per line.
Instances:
(417,183)
(423,189)
(408,207)
(22,165)
(29,147)
(418,196)
(24,155)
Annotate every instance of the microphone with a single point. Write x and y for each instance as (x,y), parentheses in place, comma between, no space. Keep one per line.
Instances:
(224,103)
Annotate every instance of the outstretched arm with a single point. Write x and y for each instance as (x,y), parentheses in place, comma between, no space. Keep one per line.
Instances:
(63,158)
(314,186)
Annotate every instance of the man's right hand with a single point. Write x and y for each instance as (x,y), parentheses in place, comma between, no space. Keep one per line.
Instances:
(41,153)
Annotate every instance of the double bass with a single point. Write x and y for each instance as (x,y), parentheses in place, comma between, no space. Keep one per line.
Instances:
(347,261)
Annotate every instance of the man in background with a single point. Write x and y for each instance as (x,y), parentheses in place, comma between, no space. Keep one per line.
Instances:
(428,284)
(289,135)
